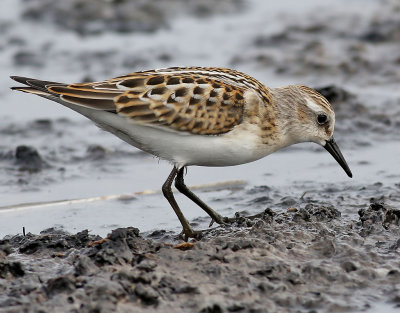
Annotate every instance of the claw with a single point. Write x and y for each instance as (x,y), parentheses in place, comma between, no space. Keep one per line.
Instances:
(221,220)
(186,234)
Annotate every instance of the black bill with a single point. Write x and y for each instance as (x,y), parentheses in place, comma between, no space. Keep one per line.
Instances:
(334,150)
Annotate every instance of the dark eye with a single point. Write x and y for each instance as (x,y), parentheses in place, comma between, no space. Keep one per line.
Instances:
(322,119)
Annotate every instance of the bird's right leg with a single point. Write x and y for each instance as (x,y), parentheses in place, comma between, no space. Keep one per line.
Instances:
(187,231)
(181,186)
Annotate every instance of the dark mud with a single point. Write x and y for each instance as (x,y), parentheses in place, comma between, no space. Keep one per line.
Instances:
(307,259)
(92,17)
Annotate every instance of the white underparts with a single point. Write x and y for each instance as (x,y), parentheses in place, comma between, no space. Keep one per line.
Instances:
(239,146)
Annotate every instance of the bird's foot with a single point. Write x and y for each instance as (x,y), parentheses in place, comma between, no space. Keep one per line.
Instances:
(221,220)
(189,233)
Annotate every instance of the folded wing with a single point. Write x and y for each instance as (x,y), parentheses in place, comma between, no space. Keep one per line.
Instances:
(197,103)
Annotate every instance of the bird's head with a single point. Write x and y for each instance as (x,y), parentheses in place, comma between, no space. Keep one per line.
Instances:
(309,117)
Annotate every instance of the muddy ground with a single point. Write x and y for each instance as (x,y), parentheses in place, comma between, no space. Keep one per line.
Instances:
(308,259)
(320,243)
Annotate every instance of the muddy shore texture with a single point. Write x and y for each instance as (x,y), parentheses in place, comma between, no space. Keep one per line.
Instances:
(316,246)
(304,260)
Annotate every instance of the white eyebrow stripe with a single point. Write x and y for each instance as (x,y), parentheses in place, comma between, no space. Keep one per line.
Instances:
(314,107)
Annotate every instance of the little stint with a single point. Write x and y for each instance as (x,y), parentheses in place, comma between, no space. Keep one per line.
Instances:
(198,116)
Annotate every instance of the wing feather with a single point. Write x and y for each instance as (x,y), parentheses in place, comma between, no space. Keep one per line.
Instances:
(97,104)
(83,93)
(197,103)
(206,101)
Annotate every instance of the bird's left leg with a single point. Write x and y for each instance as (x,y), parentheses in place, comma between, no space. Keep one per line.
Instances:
(180,185)
(167,191)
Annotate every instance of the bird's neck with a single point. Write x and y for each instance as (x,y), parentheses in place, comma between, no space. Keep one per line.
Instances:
(286,114)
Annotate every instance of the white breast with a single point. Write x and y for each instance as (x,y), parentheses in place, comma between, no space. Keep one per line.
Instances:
(241,145)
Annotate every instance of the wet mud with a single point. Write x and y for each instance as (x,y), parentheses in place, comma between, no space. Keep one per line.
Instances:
(306,259)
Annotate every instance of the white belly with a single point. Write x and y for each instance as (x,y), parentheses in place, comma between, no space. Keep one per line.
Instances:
(181,148)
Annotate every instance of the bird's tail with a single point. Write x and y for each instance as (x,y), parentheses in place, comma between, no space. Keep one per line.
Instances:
(77,94)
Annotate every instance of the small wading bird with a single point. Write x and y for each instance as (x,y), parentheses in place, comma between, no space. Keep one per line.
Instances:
(198,116)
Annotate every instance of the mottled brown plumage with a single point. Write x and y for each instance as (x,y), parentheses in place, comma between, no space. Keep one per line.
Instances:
(205,101)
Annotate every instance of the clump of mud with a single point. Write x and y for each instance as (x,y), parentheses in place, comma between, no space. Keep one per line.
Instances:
(94,17)
(307,258)
(28,159)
